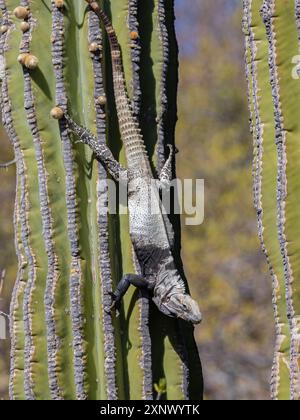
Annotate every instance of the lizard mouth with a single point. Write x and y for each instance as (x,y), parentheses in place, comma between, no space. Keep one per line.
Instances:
(194,319)
(197,321)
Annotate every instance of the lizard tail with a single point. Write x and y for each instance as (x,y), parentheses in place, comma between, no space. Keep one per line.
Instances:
(136,154)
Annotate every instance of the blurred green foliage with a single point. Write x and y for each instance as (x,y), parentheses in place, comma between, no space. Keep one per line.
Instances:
(222,259)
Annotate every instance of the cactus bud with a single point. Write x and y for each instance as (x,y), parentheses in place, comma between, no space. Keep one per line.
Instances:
(3,29)
(59,4)
(94,47)
(21,58)
(57,113)
(101,100)
(31,62)
(134,35)
(25,26)
(28,60)
(21,12)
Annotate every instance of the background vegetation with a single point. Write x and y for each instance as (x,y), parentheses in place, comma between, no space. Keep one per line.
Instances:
(222,259)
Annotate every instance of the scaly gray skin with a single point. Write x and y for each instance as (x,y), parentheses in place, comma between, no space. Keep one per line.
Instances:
(151,232)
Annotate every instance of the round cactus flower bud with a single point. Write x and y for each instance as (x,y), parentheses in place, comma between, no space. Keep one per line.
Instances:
(59,3)
(94,47)
(21,12)
(101,100)
(134,35)
(31,61)
(57,113)
(22,57)
(3,29)
(25,26)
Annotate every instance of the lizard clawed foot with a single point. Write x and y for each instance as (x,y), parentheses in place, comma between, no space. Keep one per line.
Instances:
(115,306)
(122,288)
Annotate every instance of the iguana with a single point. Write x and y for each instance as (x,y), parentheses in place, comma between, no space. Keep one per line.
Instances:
(151,233)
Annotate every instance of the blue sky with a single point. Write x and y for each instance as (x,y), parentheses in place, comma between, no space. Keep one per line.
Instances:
(187,14)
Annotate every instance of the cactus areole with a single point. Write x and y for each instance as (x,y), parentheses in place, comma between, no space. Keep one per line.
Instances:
(57,67)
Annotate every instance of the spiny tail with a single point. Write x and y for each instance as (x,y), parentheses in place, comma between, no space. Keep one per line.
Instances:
(130,132)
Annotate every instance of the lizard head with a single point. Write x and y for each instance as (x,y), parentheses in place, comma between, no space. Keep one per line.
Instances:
(180,305)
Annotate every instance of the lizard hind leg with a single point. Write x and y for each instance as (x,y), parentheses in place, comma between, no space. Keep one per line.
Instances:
(124,284)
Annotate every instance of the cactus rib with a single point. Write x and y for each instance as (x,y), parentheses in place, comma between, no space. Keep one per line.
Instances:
(144,307)
(29,348)
(76,277)
(16,310)
(95,35)
(53,274)
(135,45)
(280,25)
(162,117)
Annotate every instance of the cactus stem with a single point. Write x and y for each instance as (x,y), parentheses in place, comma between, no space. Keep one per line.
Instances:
(257,171)
(70,250)
(267,12)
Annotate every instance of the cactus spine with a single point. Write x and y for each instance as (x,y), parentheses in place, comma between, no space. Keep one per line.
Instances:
(64,342)
(272,43)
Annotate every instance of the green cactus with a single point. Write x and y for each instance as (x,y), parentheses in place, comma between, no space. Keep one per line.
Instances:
(65,344)
(272,30)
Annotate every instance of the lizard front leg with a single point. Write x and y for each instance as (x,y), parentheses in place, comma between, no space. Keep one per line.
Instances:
(102,152)
(128,279)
